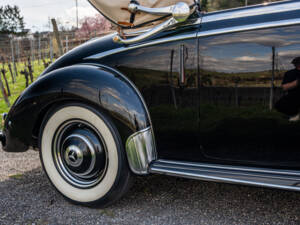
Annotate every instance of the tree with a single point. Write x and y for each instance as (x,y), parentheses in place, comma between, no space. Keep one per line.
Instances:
(11,21)
(93,25)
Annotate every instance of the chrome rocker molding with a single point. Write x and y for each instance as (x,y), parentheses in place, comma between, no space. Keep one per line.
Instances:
(141,151)
(283,179)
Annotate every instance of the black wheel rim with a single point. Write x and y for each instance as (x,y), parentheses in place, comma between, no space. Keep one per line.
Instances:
(79,153)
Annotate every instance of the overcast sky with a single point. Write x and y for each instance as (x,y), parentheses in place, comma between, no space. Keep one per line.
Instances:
(37,12)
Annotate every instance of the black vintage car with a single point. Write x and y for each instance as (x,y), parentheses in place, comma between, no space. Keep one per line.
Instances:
(192,97)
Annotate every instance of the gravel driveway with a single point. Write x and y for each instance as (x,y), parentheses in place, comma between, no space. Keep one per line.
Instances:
(28,198)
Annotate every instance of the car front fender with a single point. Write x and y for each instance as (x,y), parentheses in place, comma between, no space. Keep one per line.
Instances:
(99,86)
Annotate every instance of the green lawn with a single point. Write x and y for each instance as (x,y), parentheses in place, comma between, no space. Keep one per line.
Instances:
(20,84)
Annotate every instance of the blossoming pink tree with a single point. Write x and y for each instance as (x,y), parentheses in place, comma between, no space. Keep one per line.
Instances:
(93,26)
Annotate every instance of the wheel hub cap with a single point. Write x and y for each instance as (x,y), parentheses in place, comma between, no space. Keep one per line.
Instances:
(80,154)
(73,156)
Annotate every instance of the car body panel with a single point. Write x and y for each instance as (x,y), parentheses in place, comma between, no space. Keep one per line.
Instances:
(239,122)
(173,105)
(198,82)
(99,86)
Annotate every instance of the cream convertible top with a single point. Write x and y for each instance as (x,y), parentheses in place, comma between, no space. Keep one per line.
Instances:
(117,10)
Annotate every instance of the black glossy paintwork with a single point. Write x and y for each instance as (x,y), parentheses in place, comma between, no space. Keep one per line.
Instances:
(27,113)
(220,114)
(95,46)
(97,86)
(238,121)
(173,106)
(248,20)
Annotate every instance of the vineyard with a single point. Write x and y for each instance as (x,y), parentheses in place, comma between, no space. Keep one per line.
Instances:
(22,60)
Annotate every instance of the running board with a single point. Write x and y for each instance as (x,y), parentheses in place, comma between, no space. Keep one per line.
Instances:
(283,179)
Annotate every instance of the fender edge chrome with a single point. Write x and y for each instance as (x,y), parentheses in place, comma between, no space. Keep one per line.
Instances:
(141,151)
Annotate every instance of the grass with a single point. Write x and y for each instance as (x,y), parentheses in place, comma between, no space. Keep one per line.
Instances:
(20,84)
(16,176)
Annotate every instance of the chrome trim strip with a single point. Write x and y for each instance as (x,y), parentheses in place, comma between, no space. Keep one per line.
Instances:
(254,10)
(237,168)
(140,149)
(147,44)
(249,27)
(184,170)
(221,179)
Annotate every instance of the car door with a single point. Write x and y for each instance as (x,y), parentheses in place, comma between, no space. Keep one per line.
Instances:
(241,75)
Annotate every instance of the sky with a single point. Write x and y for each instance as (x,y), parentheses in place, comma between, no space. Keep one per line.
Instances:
(36,13)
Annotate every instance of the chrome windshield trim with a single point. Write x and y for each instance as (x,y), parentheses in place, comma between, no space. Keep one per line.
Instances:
(141,151)
(249,27)
(255,10)
(147,44)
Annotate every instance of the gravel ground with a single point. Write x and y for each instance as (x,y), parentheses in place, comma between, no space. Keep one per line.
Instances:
(28,198)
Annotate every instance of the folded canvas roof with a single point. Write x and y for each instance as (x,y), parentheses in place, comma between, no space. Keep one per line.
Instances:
(117,12)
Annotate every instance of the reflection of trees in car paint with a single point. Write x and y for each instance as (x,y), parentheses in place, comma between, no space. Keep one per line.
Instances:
(236,102)
(155,70)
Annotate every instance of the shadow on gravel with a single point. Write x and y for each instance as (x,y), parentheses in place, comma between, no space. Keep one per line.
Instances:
(30,198)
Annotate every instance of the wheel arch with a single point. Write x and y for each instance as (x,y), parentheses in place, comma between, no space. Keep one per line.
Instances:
(99,86)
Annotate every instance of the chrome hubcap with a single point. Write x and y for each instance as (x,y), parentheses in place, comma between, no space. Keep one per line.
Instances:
(80,154)
(73,156)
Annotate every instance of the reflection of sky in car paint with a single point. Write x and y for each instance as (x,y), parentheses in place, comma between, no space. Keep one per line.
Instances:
(237,58)
(159,57)
(232,53)
(121,104)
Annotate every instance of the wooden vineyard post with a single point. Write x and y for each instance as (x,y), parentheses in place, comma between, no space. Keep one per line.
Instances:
(18,51)
(30,70)
(4,94)
(40,54)
(25,73)
(51,50)
(3,71)
(15,68)
(32,50)
(13,59)
(11,73)
(57,37)
(46,64)
(67,43)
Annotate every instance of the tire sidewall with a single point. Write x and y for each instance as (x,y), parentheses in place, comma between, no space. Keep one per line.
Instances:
(113,181)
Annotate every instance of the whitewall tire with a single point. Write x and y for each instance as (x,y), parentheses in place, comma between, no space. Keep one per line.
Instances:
(82,155)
